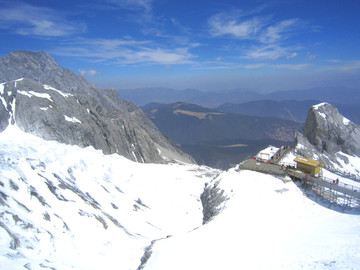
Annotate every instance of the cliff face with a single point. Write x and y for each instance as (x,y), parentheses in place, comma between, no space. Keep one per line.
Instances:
(330,138)
(329,131)
(53,103)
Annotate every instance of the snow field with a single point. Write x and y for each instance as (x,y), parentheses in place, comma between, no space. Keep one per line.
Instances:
(71,208)
(80,208)
(266,225)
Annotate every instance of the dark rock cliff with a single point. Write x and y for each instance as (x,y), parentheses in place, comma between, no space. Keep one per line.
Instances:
(51,102)
(329,131)
(328,137)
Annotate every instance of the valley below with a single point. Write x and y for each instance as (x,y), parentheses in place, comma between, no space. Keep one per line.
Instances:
(204,133)
(225,154)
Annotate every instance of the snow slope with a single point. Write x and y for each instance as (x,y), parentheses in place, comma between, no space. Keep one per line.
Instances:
(65,207)
(266,224)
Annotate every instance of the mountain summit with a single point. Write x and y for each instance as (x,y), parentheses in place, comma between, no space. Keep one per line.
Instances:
(329,131)
(330,137)
(44,99)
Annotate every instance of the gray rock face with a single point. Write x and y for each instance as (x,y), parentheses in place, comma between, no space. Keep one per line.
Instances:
(56,104)
(331,132)
(212,199)
(327,137)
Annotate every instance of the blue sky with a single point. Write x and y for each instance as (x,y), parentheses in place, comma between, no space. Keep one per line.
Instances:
(203,44)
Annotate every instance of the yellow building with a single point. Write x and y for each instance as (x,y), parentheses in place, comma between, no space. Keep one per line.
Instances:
(309,166)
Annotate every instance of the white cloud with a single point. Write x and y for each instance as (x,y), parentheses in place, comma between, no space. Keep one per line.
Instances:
(132,4)
(26,19)
(157,56)
(113,44)
(89,72)
(311,56)
(256,28)
(254,66)
(279,31)
(266,38)
(291,67)
(267,52)
(227,65)
(345,66)
(222,24)
(292,55)
(126,51)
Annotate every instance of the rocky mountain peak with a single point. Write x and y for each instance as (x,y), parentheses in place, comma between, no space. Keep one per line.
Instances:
(329,131)
(52,102)
(32,65)
(40,59)
(43,68)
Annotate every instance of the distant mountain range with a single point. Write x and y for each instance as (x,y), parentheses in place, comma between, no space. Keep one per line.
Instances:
(143,96)
(217,138)
(291,105)
(287,109)
(335,95)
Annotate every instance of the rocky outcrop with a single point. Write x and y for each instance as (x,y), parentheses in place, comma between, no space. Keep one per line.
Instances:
(212,199)
(53,103)
(331,132)
(329,137)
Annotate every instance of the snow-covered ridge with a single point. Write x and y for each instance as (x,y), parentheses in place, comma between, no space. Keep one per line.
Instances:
(316,107)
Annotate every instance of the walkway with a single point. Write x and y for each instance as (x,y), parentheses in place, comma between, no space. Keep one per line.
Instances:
(270,168)
(323,186)
(326,183)
(282,152)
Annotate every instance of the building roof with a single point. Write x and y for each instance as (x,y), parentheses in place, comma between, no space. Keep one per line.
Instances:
(307,161)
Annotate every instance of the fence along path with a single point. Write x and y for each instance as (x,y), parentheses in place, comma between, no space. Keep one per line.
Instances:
(321,184)
(326,183)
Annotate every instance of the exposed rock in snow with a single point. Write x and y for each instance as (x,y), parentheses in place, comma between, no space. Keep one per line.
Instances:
(266,224)
(213,200)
